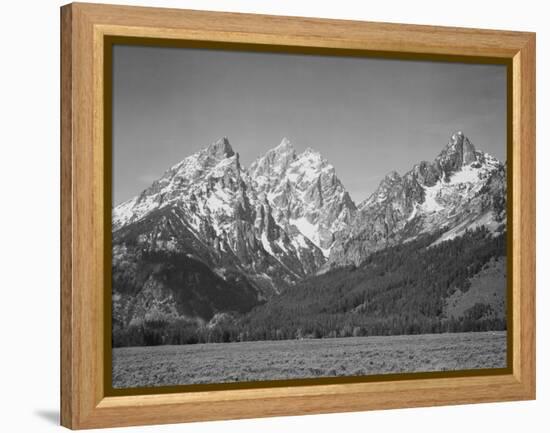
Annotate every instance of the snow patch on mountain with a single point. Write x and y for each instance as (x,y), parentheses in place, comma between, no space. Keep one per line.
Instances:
(431,205)
(307,229)
(123,212)
(266,245)
(310,231)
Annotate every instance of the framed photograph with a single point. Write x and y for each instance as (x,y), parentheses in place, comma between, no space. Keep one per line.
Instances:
(266,215)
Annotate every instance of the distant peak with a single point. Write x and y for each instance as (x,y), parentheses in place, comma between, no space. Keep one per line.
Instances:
(279,156)
(459,143)
(458,140)
(284,150)
(458,152)
(221,148)
(284,145)
(393,175)
(457,135)
(389,179)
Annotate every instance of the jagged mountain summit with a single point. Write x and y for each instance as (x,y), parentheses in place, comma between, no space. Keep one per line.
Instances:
(180,182)
(463,188)
(210,196)
(292,205)
(224,229)
(304,192)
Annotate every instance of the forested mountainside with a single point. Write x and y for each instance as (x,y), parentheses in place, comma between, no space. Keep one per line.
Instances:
(405,289)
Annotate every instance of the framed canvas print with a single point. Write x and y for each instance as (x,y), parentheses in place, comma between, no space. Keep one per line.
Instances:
(270,216)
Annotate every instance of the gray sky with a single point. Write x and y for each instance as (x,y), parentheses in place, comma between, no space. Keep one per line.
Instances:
(366,116)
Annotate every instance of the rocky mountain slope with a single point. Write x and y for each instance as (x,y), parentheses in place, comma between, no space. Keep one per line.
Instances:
(411,288)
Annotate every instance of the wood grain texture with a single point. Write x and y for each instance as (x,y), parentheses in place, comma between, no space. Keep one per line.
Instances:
(67,394)
(83,400)
(525,221)
(268,29)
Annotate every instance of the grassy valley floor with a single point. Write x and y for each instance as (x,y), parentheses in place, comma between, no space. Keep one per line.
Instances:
(308,358)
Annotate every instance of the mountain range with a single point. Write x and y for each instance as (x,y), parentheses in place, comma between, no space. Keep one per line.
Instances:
(211,237)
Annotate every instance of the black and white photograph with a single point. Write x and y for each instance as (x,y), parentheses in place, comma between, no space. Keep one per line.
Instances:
(281,216)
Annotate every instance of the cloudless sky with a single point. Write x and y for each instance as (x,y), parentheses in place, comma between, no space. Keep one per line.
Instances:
(366,116)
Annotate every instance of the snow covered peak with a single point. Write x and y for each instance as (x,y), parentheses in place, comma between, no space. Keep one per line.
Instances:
(214,167)
(274,162)
(283,153)
(462,188)
(221,148)
(303,192)
(458,152)
(285,145)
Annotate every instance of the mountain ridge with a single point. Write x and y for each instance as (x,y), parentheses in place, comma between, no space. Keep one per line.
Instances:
(449,191)
(288,216)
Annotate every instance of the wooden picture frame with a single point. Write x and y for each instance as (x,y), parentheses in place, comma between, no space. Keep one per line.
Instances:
(85,400)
